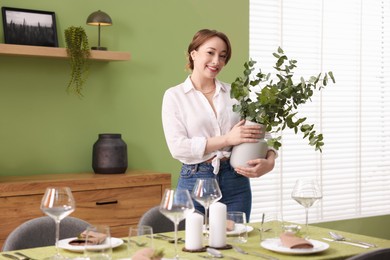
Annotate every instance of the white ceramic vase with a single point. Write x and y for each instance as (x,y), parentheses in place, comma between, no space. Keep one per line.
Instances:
(244,152)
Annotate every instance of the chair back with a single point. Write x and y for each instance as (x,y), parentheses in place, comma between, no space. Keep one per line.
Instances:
(379,254)
(160,224)
(40,232)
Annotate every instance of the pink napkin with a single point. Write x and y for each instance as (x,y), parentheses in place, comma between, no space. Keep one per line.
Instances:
(230,225)
(291,241)
(94,238)
(145,254)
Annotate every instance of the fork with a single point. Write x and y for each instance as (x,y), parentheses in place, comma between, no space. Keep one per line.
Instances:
(25,257)
(242,251)
(140,244)
(14,257)
(20,257)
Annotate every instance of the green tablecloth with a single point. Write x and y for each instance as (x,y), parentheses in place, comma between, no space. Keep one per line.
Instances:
(335,251)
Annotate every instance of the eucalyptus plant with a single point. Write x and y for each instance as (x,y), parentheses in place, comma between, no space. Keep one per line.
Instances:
(78,50)
(276,103)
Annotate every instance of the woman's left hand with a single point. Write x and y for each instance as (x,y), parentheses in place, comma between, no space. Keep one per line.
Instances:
(259,167)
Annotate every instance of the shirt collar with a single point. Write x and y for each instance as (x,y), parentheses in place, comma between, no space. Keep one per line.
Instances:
(188,86)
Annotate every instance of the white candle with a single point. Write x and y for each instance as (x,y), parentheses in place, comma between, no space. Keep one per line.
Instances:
(194,231)
(217,226)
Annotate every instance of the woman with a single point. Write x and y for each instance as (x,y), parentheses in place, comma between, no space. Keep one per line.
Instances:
(200,126)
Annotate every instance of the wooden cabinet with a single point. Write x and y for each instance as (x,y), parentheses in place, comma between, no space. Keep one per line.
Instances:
(117,200)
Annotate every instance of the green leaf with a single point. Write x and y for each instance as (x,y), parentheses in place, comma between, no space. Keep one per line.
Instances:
(276,104)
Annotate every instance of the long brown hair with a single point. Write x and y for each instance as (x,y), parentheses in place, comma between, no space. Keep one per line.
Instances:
(201,37)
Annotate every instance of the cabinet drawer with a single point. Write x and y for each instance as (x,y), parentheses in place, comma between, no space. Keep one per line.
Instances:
(16,210)
(119,208)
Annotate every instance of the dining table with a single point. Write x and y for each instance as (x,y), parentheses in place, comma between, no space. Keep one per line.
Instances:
(336,250)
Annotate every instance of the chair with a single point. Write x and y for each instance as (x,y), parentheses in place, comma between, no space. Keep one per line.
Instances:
(379,254)
(40,231)
(160,224)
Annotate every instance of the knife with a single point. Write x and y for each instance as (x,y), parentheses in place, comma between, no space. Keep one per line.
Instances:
(345,242)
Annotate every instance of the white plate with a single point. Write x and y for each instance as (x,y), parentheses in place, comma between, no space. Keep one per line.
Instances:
(238,228)
(236,231)
(64,244)
(274,244)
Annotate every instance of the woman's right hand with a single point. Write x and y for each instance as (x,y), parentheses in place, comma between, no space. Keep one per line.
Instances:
(241,133)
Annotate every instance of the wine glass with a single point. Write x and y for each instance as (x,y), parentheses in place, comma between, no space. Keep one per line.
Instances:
(57,203)
(306,193)
(206,192)
(176,205)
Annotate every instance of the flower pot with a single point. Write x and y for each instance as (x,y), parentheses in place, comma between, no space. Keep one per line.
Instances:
(244,152)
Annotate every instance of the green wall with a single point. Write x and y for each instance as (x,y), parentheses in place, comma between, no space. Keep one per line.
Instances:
(43,129)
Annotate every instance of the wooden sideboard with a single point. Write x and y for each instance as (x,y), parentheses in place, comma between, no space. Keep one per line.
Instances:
(117,200)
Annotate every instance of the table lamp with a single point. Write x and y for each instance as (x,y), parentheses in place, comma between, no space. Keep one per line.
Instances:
(99,18)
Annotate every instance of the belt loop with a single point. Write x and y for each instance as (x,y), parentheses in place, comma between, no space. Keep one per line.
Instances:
(195,169)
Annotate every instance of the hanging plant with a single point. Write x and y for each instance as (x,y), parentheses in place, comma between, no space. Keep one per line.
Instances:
(78,50)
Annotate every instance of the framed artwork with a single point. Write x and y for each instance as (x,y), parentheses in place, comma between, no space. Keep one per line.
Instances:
(29,27)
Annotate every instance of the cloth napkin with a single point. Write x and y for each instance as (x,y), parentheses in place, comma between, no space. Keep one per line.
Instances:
(291,241)
(94,238)
(230,225)
(146,254)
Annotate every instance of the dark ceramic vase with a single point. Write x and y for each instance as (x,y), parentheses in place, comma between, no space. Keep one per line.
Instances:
(109,154)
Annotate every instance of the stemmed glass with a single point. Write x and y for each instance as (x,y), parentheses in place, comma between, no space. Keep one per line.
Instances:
(206,192)
(57,203)
(306,193)
(176,205)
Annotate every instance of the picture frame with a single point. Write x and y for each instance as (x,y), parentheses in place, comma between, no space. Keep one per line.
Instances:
(29,27)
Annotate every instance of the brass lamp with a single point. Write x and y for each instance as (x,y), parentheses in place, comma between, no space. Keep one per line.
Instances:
(99,18)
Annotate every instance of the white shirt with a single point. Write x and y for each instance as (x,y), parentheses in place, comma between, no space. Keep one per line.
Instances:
(188,120)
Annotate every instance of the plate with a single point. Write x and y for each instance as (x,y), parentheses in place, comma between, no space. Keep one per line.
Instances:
(274,244)
(236,231)
(238,228)
(64,244)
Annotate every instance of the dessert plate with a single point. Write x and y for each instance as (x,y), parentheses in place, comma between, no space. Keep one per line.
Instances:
(64,244)
(274,244)
(238,228)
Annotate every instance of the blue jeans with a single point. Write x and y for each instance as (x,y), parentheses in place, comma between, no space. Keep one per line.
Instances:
(235,188)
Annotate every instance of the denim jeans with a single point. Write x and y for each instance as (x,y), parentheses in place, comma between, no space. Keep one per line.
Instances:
(235,188)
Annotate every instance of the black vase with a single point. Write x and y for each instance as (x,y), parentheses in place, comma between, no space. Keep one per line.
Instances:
(109,154)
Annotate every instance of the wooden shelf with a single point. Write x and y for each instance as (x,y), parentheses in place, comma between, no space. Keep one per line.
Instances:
(54,52)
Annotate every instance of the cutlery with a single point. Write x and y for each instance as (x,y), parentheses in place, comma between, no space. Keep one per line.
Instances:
(23,255)
(217,254)
(12,257)
(265,230)
(346,242)
(339,237)
(168,238)
(241,251)
(140,244)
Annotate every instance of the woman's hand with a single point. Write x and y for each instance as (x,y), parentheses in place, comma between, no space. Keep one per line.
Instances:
(241,133)
(259,167)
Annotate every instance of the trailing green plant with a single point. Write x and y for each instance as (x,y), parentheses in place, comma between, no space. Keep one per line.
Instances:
(78,50)
(275,104)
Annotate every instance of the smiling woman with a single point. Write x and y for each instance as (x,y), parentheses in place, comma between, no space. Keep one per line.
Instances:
(200,126)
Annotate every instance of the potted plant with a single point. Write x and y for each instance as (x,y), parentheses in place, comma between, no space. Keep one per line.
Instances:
(78,50)
(275,105)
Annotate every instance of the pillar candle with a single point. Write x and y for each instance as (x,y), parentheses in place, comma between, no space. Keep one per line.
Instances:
(194,231)
(217,225)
